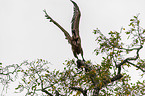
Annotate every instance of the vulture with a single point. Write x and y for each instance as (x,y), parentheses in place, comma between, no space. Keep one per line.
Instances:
(75,39)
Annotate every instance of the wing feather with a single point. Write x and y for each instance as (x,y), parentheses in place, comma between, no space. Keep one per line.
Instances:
(76,18)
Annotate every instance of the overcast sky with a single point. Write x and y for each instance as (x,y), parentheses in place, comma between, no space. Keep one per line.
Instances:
(25,34)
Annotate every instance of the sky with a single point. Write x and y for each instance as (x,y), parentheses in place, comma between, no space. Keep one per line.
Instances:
(25,33)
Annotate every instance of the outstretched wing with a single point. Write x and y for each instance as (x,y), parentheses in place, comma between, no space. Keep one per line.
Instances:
(76,19)
(68,37)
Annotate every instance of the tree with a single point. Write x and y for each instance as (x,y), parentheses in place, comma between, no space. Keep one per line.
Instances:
(84,77)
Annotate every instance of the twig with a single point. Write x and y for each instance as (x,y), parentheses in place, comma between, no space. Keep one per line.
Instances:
(136,66)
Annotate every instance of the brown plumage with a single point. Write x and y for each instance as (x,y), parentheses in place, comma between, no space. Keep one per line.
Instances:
(75,40)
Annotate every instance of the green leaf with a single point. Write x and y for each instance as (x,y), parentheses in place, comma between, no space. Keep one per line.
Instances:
(135,17)
(131,19)
(143,30)
(38,84)
(103,58)
(18,70)
(136,41)
(18,87)
(127,32)
(33,87)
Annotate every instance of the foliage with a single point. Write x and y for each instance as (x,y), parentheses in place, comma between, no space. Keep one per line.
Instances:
(84,77)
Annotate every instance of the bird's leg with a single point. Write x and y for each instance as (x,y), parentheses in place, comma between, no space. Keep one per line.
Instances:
(82,55)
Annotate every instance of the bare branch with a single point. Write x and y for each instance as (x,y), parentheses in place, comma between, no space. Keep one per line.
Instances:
(131,58)
(136,66)
(45,91)
(117,77)
(84,92)
(16,66)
